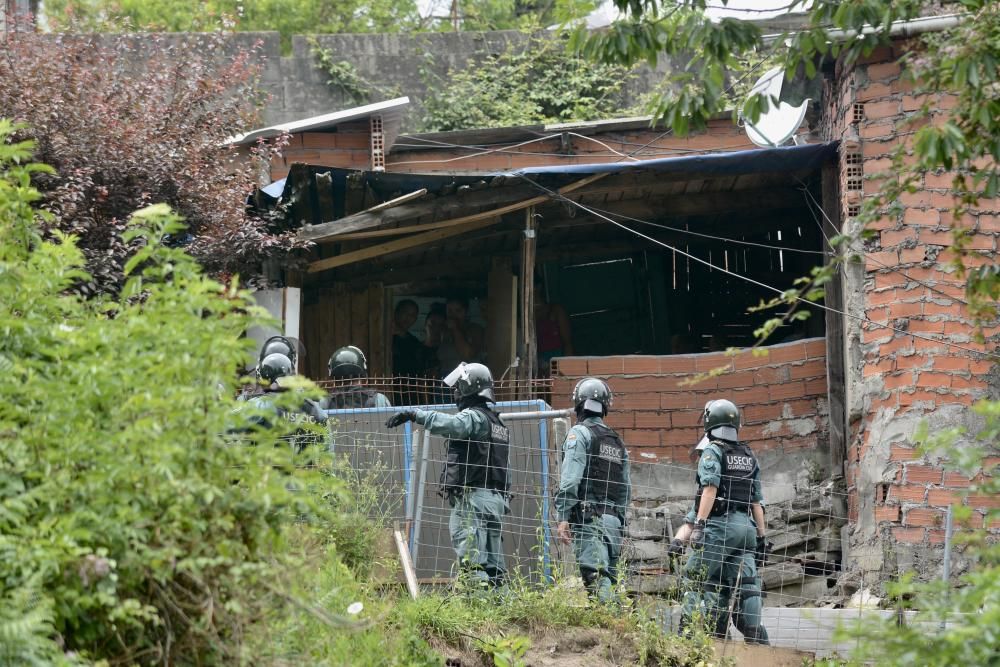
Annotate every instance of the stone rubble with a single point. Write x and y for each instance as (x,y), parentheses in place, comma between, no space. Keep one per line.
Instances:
(803,569)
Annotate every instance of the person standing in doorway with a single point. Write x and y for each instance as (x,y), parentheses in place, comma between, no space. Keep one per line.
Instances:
(475,478)
(462,340)
(594,490)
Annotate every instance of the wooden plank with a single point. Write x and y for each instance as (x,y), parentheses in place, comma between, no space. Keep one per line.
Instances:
(359,319)
(464,224)
(527,338)
(402,199)
(340,312)
(502,315)
(377,332)
(404,560)
(328,232)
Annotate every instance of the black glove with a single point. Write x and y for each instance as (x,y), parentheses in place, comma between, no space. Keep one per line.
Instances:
(401,418)
(760,553)
(676,548)
(698,534)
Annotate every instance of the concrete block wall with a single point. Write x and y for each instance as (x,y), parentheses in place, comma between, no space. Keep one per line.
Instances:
(782,395)
(896,381)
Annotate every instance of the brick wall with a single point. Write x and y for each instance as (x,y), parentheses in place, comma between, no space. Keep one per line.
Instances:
(896,381)
(348,148)
(782,396)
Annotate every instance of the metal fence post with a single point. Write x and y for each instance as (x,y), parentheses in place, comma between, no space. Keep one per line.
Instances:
(424,440)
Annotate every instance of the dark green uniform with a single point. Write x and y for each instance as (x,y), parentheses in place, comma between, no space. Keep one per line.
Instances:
(476,483)
(730,533)
(594,492)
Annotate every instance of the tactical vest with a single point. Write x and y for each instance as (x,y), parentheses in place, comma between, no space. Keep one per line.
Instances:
(350,398)
(478,463)
(736,479)
(604,476)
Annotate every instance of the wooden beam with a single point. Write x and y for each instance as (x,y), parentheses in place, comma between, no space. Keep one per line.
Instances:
(330,232)
(460,225)
(402,199)
(527,369)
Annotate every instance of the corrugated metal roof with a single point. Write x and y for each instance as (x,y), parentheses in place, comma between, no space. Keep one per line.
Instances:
(390,110)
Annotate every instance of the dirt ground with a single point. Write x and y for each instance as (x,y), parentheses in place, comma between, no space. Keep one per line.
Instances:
(578,647)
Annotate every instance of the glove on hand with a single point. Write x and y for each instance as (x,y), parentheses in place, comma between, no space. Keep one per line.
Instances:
(698,535)
(760,553)
(401,418)
(676,548)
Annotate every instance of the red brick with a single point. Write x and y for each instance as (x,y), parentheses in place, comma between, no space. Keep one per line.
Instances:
(571,366)
(780,392)
(893,238)
(951,364)
(712,361)
(651,419)
(912,361)
(751,359)
(816,349)
(967,383)
(877,131)
(907,494)
(320,140)
(688,418)
(875,261)
(887,513)
(897,381)
(935,237)
(604,366)
(736,379)
(935,536)
(681,437)
(873,91)
(685,400)
(879,110)
(923,516)
(914,216)
(638,401)
(911,255)
(930,379)
(810,369)
(907,309)
(641,437)
(981,367)
(879,166)
(881,368)
(620,419)
(769,375)
(681,364)
(816,387)
(888,279)
(908,535)
(920,474)
(943,498)
(636,365)
(989,223)
(901,453)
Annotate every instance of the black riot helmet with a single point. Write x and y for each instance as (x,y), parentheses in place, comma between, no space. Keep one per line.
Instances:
(277,345)
(471,380)
(722,419)
(348,362)
(592,395)
(274,366)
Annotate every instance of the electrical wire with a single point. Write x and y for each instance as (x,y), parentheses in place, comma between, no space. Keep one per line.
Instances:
(707,236)
(557,196)
(811,201)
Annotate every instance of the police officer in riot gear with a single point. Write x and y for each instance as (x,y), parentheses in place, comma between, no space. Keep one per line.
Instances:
(272,370)
(726,528)
(349,368)
(475,478)
(594,489)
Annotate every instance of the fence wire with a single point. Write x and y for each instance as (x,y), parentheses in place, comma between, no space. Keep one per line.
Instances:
(805,593)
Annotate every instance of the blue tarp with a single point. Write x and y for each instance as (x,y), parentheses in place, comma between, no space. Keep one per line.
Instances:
(761,160)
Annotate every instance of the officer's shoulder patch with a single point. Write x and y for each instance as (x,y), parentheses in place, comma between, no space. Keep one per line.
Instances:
(571,437)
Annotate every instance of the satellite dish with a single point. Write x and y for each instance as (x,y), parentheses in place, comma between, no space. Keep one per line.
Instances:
(779,123)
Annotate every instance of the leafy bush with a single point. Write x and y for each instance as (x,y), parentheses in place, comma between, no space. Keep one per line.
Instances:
(131,528)
(125,129)
(539,83)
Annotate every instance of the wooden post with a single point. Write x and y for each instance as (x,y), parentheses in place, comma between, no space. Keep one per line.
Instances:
(528,343)
(835,351)
(501,334)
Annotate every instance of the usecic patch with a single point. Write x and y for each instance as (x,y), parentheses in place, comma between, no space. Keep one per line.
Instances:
(571,436)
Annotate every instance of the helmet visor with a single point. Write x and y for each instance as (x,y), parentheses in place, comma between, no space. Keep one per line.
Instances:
(452,378)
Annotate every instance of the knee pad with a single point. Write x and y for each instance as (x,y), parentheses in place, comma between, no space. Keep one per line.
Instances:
(590,577)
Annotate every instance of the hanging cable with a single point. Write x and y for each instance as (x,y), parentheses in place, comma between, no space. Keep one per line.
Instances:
(811,201)
(822,306)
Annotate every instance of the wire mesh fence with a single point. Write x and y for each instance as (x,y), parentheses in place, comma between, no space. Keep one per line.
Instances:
(804,593)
